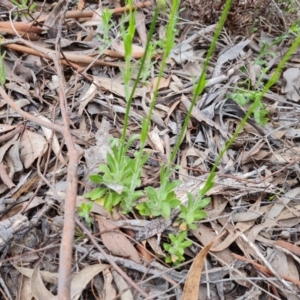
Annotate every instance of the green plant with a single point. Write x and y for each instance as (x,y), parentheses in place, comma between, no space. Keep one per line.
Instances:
(122,175)
(105,27)
(148,62)
(160,201)
(119,178)
(193,211)
(84,212)
(253,107)
(176,248)
(243,97)
(127,36)
(2,69)
(24,5)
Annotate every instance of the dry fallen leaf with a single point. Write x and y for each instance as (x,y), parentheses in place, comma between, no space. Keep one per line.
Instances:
(115,241)
(83,277)
(32,146)
(292,77)
(288,246)
(137,51)
(163,83)
(39,291)
(192,283)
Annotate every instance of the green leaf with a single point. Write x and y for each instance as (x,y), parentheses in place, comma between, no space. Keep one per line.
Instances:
(190,198)
(96,193)
(168,259)
(151,193)
(186,244)
(192,226)
(173,202)
(165,207)
(172,250)
(143,209)
(172,237)
(183,210)
(111,200)
(181,236)
(208,186)
(167,246)
(104,169)
(84,210)
(172,185)
(190,218)
(199,215)
(96,178)
(111,161)
(203,202)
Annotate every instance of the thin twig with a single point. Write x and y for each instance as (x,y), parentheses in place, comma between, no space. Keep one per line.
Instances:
(28,116)
(65,262)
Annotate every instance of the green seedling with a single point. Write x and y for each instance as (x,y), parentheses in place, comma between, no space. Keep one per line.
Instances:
(84,212)
(127,36)
(160,201)
(119,178)
(2,69)
(153,48)
(24,5)
(243,97)
(105,27)
(193,212)
(176,248)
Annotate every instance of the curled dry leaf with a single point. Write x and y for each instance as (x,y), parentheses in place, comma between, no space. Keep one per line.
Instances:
(51,136)
(83,277)
(109,288)
(45,275)
(156,140)
(6,127)
(292,77)
(32,146)
(4,176)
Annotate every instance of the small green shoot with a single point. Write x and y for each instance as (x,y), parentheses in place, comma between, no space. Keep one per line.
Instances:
(193,212)
(160,201)
(105,27)
(176,248)
(84,212)
(127,36)
(24,5)
(243,97)
(2,69)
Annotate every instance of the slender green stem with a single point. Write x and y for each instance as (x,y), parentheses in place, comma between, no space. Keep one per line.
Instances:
(128,105)
(201,82)
(253,107)
(168,47)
